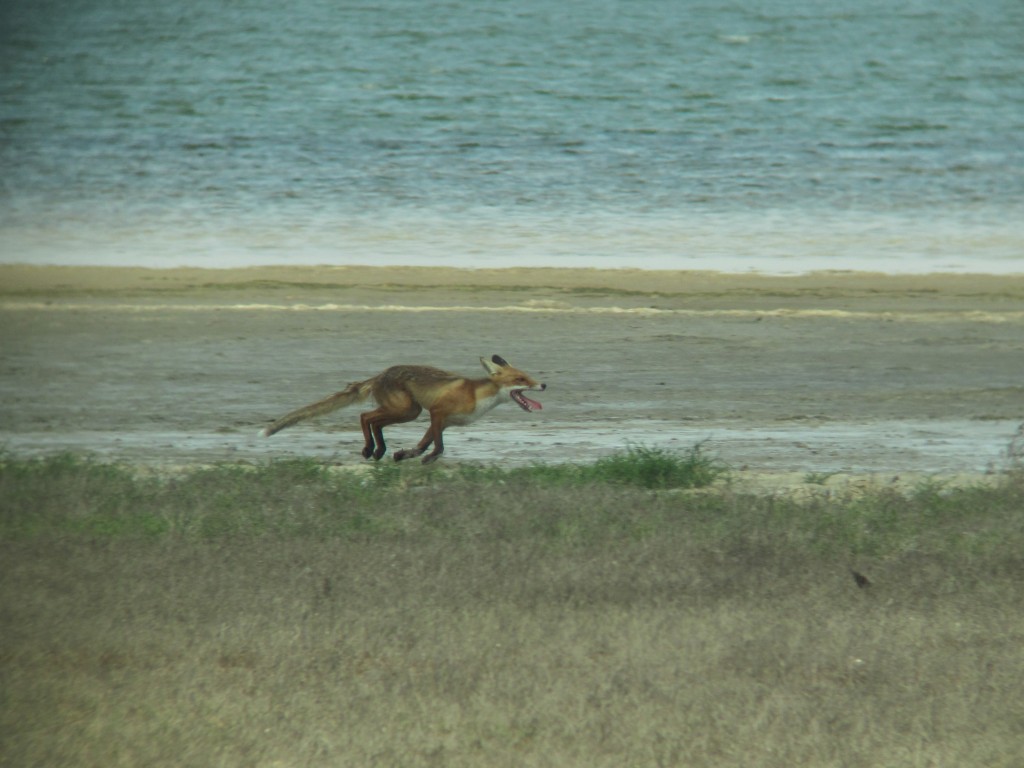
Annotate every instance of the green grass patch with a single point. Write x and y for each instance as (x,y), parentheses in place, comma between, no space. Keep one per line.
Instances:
(640,494)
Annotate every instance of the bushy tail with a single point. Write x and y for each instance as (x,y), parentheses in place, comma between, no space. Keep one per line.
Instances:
(353,393)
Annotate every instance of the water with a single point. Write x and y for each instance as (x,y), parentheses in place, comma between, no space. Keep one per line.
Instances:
(779,135)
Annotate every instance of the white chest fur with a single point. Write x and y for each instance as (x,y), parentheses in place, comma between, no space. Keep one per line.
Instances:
(483,405)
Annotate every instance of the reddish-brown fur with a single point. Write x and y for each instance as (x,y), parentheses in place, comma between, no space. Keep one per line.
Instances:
(403,392)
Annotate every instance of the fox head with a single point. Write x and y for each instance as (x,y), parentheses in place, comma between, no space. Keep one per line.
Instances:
(513,381)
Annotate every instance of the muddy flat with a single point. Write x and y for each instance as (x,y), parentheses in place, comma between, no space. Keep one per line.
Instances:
(827,372)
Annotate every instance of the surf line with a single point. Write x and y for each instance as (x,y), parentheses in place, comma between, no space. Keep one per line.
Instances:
(975,316)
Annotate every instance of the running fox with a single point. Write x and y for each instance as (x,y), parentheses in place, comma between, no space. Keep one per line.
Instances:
(403,391)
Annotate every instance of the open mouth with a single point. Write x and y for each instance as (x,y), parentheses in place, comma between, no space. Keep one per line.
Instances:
(523,401)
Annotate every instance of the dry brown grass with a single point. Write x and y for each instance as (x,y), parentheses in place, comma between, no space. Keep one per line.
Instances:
(510,624)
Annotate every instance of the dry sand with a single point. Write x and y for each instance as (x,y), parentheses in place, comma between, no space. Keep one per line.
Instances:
(852,373)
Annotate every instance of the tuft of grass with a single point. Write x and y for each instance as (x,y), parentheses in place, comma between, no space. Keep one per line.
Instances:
(636,467)
(657,468)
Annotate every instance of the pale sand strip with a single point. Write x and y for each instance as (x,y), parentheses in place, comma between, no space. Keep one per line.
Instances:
(18,279)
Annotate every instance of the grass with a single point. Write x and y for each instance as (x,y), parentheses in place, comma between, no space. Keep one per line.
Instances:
(293,614)
(817,478)
(637,466)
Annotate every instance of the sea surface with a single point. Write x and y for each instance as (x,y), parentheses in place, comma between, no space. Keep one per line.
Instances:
(773,135)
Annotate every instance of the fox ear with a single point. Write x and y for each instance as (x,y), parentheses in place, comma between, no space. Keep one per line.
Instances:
(499,360)
(490,367)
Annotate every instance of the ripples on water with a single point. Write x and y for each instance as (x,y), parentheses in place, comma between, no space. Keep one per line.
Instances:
(775,135)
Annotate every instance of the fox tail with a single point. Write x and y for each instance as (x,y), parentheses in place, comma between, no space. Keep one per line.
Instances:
(353,393)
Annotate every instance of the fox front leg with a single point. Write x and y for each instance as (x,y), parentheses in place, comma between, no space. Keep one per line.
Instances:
(431,436)
(409,453)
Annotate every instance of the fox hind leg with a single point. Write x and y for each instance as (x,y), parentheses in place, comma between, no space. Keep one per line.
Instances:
(373,423)
(364,422)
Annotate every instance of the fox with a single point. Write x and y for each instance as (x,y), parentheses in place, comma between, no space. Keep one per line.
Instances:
(402,392)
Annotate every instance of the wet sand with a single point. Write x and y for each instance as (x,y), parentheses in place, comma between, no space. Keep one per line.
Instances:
(853,373)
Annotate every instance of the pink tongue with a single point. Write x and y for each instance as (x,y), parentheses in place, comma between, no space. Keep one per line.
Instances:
(533,405)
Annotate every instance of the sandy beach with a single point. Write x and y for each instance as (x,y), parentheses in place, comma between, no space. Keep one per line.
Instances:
(834,372)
